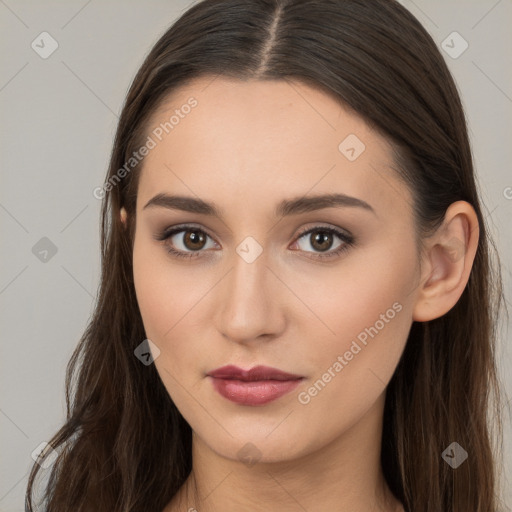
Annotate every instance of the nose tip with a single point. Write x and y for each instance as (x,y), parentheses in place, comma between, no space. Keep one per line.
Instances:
(249,308)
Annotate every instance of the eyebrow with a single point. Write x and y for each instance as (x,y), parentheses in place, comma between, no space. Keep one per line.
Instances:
(286,207)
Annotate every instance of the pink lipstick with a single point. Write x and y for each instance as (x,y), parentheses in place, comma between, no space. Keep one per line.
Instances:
(256,386)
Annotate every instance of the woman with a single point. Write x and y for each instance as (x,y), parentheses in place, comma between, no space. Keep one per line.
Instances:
(297,302)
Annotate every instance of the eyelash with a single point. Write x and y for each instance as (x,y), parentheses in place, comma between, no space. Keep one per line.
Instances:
(348,241)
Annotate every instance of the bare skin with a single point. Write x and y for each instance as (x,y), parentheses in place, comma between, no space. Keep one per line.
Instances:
(247,146)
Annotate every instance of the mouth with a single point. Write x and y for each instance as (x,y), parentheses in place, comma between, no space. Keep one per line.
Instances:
(257,386)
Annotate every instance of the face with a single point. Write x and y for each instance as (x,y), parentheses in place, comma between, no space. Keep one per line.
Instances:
(324,291)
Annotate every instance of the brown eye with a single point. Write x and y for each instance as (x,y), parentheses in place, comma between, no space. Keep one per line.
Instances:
(189,241)
(194,239)
(184,241)
(321,240)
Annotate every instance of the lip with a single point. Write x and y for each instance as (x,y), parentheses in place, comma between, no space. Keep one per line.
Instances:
(255,373)
(257,386)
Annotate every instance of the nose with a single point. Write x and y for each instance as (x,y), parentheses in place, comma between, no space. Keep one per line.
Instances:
(250,302)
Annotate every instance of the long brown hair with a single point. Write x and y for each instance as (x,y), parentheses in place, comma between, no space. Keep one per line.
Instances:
(376,58)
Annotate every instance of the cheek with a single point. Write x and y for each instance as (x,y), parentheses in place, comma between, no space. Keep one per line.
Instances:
(159,292)
(362,320)
(166,296)
(169,300)
(151,297)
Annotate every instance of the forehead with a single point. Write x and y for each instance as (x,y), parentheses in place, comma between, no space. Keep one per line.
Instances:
(239,142)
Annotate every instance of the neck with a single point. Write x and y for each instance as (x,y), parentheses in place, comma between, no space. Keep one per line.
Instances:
(344,475)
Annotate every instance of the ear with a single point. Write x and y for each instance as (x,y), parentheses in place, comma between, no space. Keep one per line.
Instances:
(447,262)
(123,215)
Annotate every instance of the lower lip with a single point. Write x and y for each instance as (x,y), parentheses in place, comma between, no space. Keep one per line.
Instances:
(253,392)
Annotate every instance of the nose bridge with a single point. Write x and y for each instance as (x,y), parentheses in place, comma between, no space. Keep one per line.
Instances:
(248,304)
(250,268)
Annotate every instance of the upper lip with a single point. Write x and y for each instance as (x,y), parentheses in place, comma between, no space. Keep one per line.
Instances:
(253,374)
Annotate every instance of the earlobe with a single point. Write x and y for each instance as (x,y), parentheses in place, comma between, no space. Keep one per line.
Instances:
(448,261)
(123,215)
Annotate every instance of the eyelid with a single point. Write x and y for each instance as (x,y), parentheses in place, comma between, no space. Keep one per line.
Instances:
(318,227)
(182,227)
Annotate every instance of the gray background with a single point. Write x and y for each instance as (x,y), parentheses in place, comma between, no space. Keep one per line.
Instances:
(58,120)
